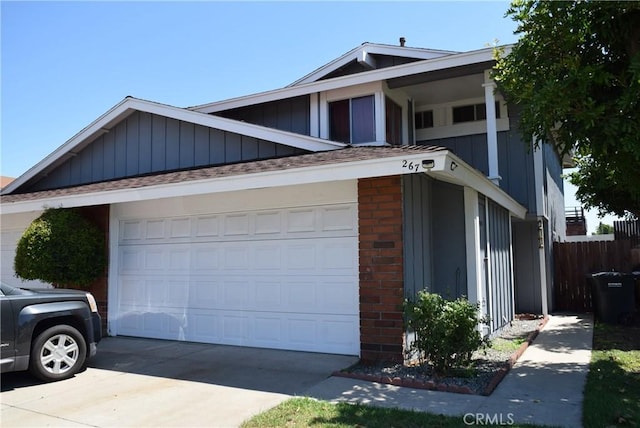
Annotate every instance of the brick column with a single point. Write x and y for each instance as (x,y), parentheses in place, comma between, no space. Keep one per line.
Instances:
(381,269)
(99,215)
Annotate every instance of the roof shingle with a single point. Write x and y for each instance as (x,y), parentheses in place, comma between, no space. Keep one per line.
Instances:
(339,156)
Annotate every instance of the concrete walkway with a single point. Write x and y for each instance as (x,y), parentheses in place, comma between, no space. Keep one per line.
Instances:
(545,387)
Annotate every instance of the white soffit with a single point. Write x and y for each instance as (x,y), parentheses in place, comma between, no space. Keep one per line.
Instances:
(362,52)
(458,172)
(130,105)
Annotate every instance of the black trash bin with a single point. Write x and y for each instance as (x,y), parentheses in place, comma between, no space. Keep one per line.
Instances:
(614,296)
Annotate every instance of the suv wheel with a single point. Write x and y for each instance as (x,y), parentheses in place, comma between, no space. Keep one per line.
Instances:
(57,353)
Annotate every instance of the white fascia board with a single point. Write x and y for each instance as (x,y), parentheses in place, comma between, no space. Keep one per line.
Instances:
(129,105)
(458,172)
(463,175)
(117,111)
(444,62)
(365,50)
(292,139)
(410,164)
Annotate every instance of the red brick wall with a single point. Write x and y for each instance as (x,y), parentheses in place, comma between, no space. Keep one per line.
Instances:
(381,268)
(99,215)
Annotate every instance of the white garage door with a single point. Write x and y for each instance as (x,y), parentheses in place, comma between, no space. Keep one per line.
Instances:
(284,278)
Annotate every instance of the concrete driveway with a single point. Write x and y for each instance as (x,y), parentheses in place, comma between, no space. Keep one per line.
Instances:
(142,382)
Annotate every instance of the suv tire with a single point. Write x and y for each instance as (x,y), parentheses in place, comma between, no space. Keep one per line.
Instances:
(58,353)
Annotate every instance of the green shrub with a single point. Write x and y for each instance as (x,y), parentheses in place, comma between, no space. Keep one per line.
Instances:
(446,332)
(61,247)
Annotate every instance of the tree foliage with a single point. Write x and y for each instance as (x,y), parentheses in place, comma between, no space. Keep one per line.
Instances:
(603,229)
(61,247)
(575,75)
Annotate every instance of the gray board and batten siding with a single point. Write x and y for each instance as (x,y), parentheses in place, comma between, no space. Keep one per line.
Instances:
(498,269)
(146,143)
(515,161)
(527,260)
(435,246)
(291,114)
(434,237)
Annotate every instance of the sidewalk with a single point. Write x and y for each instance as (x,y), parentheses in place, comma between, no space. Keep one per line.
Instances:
(545,386)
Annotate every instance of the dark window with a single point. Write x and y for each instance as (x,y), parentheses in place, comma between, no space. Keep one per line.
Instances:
(393,122)
(352,120)
(424,119)
(339,129)
(464,114)
(472,113)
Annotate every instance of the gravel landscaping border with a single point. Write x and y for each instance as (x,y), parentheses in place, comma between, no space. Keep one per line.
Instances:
(489,366)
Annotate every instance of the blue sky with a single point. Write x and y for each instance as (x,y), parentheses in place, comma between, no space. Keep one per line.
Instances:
(66,63)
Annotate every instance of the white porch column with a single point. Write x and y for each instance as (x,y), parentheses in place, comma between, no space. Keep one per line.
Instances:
(475,289)
(314,115)
(492,130)
(323,115)
(381,126)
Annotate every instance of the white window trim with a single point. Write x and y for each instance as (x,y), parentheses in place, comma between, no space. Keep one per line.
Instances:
(443,126)
(369,89)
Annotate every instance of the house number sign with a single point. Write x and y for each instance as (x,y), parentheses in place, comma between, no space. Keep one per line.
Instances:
(411,166)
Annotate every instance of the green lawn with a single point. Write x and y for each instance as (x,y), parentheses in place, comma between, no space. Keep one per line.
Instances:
(612,393)
(307,412)
(611,397)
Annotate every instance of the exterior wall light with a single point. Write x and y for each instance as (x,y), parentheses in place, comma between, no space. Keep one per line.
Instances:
(428,163)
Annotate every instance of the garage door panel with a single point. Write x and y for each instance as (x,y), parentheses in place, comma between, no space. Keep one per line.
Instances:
(267,256)
(154,325)
(206,259)
(204,294)
(282,279)
(234,328)
(277,294)
(207,226)
(268,331)
(329,333)
(180,228)
(204,326)
(235,294)
(268,294)
(340,218)
(236,257)
(338,297)
(269,223)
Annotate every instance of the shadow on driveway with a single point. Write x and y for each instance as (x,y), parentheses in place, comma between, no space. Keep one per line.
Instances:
(268,370)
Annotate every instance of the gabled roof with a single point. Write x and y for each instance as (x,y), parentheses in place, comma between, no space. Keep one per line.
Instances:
(456,60)
(363,55)
(130,105)
(344,164)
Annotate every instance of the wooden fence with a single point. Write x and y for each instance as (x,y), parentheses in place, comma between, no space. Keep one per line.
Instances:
(627,229)
(574,261)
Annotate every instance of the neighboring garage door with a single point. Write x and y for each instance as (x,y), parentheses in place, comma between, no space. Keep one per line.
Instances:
(13,226)
(283,278)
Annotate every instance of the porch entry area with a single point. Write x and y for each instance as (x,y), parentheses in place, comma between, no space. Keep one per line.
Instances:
(457,242)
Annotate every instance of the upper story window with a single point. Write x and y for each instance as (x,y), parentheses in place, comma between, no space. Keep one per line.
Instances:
(424,119)
(393,122)
(353,120)
(473,112)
